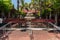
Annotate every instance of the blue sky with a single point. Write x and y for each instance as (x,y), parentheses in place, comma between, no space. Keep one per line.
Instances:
(15,2)
(28,1)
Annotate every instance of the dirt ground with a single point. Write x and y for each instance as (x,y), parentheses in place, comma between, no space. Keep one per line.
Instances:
(37,35)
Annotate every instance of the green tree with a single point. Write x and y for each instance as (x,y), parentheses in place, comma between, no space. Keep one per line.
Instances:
(56,7)
(3,9)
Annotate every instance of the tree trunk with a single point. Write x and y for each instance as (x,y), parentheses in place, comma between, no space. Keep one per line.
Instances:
(18,5)
(2,14)
(56,19)
(40,8)
(46,16)
(9,15)
(50,16)
(18,8)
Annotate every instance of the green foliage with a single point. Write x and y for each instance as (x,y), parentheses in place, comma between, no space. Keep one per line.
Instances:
(49,9)
(46,6)
(22,2)
(50,5)
(22,13)
(3,7)
(56,4)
